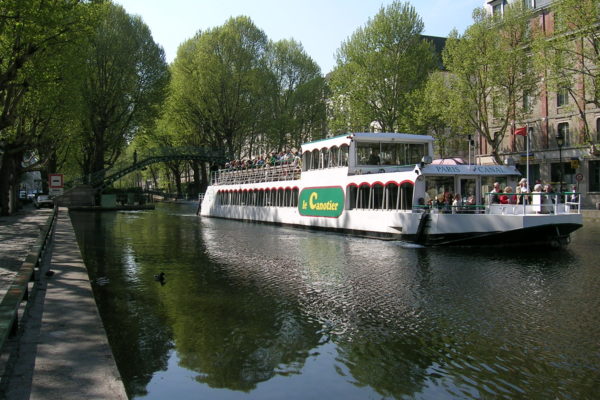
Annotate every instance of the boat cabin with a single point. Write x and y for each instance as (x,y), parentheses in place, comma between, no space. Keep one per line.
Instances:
(367,153)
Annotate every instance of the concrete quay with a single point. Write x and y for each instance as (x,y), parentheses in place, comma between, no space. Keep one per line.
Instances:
(62,351)
(18,233)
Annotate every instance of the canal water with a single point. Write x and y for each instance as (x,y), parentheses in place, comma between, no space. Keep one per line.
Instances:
(251,311)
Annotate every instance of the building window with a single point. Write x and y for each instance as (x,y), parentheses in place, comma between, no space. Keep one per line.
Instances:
(562,97)
(563,129)
(568,179)
(498,7)
(527,102)
(594,176)
(598,130)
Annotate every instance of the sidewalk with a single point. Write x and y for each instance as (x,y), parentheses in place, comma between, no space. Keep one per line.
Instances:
(18,234)
(63,352)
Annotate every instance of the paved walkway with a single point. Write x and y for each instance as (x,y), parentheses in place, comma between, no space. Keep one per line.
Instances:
(18,234)
(63,352)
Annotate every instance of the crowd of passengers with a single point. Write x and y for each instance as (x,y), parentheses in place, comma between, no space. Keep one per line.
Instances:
(448,202)
(544,192)
(293,158)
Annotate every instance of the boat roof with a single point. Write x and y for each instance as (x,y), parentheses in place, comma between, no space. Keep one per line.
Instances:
(366,137)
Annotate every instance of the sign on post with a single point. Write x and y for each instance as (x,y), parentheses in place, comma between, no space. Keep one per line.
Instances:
(55,181)
(56,184)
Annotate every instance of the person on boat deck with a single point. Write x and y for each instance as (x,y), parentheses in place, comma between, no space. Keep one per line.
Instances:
(494,199)
(374,158)
(573,197)
(448,199)
(551,198)
(521,189)
(508,197)
(538,199)
(457,204)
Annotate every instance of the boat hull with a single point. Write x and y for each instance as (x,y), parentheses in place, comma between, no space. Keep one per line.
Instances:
(435,229)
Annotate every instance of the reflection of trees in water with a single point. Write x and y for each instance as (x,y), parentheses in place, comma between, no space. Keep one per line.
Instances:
(238,338)
(138,336)
(229,330)
(406,322)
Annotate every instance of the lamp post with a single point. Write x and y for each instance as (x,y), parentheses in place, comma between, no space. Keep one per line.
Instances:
(560,141)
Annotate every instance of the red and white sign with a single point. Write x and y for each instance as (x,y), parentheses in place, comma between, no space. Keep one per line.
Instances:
(56,181)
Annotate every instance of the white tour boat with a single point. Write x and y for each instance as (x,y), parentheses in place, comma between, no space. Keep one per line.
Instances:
(384,185)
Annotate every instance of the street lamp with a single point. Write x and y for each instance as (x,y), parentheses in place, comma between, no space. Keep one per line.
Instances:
(560,141)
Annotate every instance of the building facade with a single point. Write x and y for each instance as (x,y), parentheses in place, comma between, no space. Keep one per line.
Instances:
(573,161)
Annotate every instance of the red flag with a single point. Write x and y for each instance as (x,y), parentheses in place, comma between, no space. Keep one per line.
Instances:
(521,131)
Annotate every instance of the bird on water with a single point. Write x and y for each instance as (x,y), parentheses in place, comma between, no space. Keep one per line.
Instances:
(160,278)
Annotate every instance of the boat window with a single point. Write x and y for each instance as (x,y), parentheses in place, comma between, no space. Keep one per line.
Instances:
(344,150)
(325,156)
(315,159)
(377,196)
(390,153)
(367,153)
(406,196)
(333,156)
(436,188)
(362,198)
(306,160)
(351,195)
(295,197)
(416,153)
(391,196)
(468,192)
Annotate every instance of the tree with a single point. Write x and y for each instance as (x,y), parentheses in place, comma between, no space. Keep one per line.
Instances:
(218,84)
(125,79)
(379,68)
(435,115)
(35,37)
(297,96)
(490,73)
(570,55)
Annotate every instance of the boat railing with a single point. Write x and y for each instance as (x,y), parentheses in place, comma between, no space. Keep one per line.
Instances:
(534,203)
(522,204)
(256,174)
(442,208)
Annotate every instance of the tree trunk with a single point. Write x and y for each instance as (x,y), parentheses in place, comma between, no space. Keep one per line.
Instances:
(9,182)
(205,178)
(196,184)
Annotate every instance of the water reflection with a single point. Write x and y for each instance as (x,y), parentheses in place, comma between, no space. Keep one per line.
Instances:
(262,311)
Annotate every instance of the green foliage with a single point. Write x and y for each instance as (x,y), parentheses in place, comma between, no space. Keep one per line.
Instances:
(125,75)
(38,53)
(380,69)
(490,72)
(218,78)
(296,96)
(233,88)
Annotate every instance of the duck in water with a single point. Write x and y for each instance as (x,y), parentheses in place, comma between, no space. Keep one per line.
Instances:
(160,278)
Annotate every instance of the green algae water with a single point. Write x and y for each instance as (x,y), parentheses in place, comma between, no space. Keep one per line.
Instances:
(252,311)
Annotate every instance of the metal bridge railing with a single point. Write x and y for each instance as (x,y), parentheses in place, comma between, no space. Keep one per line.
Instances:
(160,154)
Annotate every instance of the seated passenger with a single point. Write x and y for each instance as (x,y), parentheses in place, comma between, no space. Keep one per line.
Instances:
(494,199)
(508,197)
(374,158)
